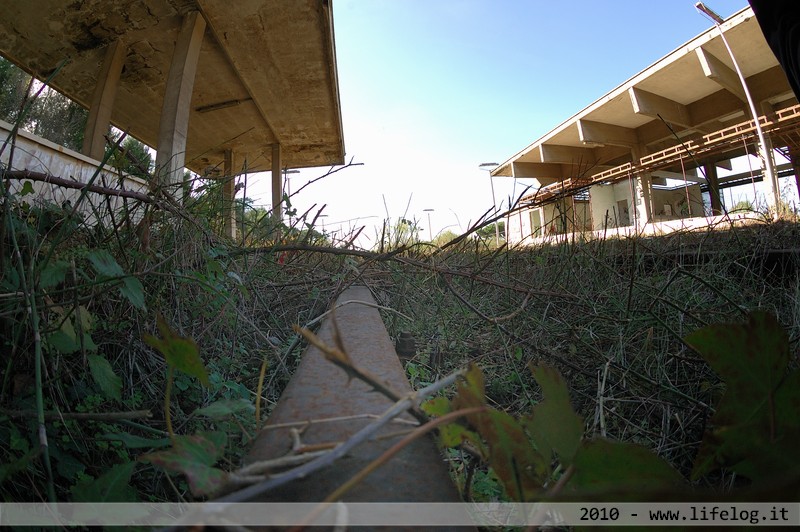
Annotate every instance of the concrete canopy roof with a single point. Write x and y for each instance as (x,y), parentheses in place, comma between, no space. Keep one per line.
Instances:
(695,89)
(266,74)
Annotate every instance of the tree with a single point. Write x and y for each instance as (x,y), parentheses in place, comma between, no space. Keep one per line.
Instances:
(444,237)
(488,230)
(13,84)
(52,116)
(135,158)
(59,119)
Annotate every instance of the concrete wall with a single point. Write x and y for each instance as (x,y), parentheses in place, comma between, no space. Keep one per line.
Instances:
(36,154)
(611,205)
(555,218)
(608,210)
(674,205)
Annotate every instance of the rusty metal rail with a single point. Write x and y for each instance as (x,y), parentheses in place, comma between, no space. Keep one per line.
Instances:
(319,393)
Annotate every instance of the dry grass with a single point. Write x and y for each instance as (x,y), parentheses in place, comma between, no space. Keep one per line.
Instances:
(610,315)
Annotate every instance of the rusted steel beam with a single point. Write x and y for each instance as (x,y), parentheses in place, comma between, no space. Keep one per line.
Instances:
(319,390)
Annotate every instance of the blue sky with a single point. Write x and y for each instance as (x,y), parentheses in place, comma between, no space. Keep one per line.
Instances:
(430,89)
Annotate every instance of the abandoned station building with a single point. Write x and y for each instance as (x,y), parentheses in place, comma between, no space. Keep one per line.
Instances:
(639,158)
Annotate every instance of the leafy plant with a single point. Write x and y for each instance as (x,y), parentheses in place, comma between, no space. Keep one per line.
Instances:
(194,456)
(522,452)
(180,353)
(755,430)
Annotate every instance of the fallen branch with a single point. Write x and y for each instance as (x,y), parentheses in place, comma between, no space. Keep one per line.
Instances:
(77,185)
(80,416)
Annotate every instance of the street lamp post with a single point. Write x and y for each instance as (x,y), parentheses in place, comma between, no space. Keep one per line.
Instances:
(489,167)
(430,231)
(769,171)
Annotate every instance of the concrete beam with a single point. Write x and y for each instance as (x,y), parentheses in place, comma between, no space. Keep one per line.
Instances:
(591,132)
(229,196)
(553,153)
(174,125)
(538,170)
(99,120)
(691,178)
(653,105)
(717,71)
(277,183)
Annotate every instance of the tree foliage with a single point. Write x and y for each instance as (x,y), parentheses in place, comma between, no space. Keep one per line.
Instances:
(52,115)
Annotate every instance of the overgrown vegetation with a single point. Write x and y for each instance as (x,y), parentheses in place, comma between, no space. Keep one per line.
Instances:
(619,320)
(600,368)
(78,302)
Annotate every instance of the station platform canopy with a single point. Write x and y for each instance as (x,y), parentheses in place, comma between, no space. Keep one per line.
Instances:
(688,96)
(266,73)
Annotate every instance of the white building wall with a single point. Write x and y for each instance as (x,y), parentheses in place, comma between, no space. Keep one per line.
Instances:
(611,205)
(36,154)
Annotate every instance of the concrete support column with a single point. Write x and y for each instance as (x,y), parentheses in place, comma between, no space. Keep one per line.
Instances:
(794,158)
(712,179)
(99,120)
(174,124)
(765,151)
(228,196)
(643,191)
(277,183)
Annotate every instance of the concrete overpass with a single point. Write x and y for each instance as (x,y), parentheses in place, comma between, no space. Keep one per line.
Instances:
(214,86)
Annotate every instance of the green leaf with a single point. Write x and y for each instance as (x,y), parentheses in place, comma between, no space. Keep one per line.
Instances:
(104,263)
(194,456)
(62,342)
(224,408)
(452,434)
(620,471)
(132,441)
(764,448)
(88,342)
(84,318)
(521,468)
(68,466)
(27,188)
(752,359)
(437,406)
(455,434)
(53,274)
(133,290)
(104,376)
(214,270)
(112,486)
(554,425)
(179,352)
(9,469)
